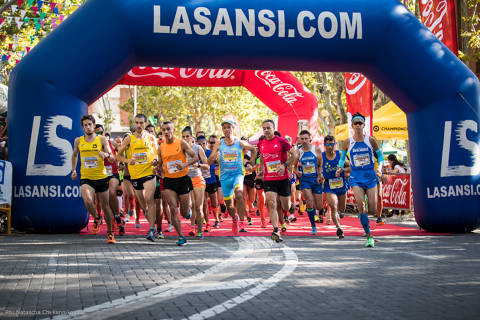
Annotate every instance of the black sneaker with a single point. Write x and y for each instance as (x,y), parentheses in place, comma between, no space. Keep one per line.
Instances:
(276,237)
(249,221)
(258,213)
(340,233)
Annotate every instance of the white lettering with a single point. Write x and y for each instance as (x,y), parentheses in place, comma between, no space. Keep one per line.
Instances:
(321,25)
(202,19)
(157,25)
(301,28)
(281,23)
(243,22)
(263,17)
(351,27)
(223,23)
(181,21)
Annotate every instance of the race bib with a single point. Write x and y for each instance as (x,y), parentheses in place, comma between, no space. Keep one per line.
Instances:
(273,166)
(335,183)
(90,162)
(309,169)
(140,158)
(109,170)
(230,157)
(172,166)
(206,173)
(361,160)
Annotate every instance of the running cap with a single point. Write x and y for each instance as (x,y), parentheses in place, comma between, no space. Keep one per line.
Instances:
(230,122)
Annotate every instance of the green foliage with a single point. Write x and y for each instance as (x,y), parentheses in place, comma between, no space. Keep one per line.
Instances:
(471,31)
(201,108)
(31,31)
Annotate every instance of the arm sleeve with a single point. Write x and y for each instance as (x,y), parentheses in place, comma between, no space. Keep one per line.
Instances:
(380,159)
(343,156)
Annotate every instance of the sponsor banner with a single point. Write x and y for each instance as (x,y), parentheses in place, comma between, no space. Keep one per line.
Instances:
(359,95)
(47,191)
(439,17)
(396,193)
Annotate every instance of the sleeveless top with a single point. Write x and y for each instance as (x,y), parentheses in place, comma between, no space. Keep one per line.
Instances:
(309,162)
(171,155)
(194,171)
(92,166)
(143,150)
(111,166)
(361,154)
(209,174)
(231,160)
(329,168)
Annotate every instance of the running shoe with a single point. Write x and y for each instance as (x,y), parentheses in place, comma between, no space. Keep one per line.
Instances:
(159,235)
(110,238)
(118,220)
(340,233)
(341,215)
(150,235)
(127,218)
(380,221)
(181,241)
(284,227)
(264,224)
(292,209)
(317,219)
(169,228)
(208,228)
(192,231)
(216,224)
(292,218)
(258,213)
(276,237)
(370,242)
(130,212)
(303,207)
(285,218)
(235,225)
(242,227)
(199,235)
(314,230)
(189,214)
(121,229)
(95,226)
(249,221)
(137,224)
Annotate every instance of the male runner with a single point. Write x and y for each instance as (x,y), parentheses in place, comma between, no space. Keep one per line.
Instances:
(275,160)
(113,183)
(177,185)
(141,158)
(211,188)
(309,171)
(93,175)
(363,178)
(230,151)
(335,188)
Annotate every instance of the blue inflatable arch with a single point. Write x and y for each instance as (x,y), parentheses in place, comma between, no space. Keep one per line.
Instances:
(53,85)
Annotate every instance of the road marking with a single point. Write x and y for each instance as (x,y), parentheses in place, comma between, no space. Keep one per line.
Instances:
(245,248)
(290,264)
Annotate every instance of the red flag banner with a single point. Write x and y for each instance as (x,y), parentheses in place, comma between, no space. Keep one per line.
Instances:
(359,94)
(439,17)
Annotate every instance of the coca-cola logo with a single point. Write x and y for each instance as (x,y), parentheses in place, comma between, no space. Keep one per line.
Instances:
(183,73)
(396,193)
(433,17)
(354,82)
(286,91)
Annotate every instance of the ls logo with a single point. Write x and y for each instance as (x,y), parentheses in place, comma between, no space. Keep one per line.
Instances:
(52,140)
(463,142)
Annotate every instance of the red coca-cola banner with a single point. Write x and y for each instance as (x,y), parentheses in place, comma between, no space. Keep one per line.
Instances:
(281,91)
(396,193)
(439,17)
(359,94)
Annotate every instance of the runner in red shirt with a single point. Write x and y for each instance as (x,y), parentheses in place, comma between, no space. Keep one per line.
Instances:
(275,160)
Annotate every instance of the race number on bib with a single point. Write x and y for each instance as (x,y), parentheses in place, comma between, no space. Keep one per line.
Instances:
(336,183)
(109,170)
(172,166)
(140,158)
(361,160)
(230,157)
(90,162)
(309,169)
(273,166)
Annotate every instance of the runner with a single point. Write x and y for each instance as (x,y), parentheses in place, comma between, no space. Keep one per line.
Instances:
(260,194)
(335,189)
(309,171)
(363,178)
(141,158)
(113,183)
(275,160)
(93,175)
(197,195)
(177,185)
(211,187)
(230,151)
(249,190)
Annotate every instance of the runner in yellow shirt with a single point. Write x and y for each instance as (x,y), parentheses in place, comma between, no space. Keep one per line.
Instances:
(141,158)
(93,150)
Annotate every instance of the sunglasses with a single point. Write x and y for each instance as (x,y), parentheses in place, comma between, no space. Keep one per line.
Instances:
(329,144)
(212,142)
(358,123)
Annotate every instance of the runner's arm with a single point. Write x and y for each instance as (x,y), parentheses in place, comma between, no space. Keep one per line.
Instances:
(343,157)
(75,158)
(247,146)
(318,152)
(189,151)
(379,153)
(203,158)
(122,149)
(213,155)
(108,152)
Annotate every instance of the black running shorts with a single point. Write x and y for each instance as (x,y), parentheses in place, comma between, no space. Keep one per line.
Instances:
(258,184)
(138,183)
(211,188)
(100,185)
(182,185)
(281,187)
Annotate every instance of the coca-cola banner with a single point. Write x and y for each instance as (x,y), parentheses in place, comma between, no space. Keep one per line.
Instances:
(396,193)
(439,17)
(359,94)
(281,91)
